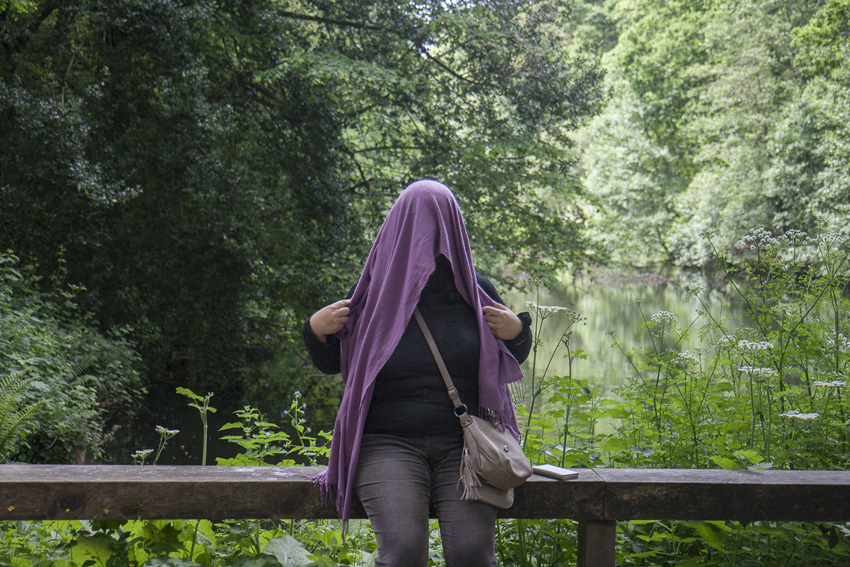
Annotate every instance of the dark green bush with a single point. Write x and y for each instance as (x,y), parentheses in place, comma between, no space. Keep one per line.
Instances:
(85,381)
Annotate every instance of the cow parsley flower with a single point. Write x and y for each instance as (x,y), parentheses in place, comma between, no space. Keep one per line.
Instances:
(750,345)
(664,317)
(841,342)
(758,238)
(758,371)
(688,357)
(545,310)
(797,415)
(831,384)
(795,237)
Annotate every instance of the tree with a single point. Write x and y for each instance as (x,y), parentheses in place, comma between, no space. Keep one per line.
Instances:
(812,142)
(638,155)
(65,387)
(214,171)
(632,178)
(718,93)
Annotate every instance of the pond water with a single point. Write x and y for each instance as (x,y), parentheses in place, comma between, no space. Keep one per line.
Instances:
(606,306)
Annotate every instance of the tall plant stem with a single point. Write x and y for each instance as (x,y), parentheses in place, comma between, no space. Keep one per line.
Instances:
(520,528)
(538,324)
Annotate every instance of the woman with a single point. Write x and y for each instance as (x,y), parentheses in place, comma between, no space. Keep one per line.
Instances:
(396,441)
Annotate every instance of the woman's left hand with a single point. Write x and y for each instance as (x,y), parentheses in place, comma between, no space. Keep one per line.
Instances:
(503,323)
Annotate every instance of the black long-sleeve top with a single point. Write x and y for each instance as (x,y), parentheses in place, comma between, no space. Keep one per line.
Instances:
(410,396)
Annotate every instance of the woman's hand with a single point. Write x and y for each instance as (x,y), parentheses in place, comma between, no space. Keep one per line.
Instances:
(329,319)
(503,323)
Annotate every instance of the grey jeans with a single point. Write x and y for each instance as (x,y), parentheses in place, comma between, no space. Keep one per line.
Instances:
(399,479)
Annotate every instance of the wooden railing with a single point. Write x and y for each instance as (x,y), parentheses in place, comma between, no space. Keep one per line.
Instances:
(598,498)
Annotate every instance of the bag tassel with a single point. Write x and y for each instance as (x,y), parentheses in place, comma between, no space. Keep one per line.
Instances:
(468,477)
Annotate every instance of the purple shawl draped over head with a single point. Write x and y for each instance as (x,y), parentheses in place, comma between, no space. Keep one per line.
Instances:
(423,223)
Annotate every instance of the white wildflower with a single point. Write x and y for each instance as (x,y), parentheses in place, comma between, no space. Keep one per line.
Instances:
(688,357)
(758,371)
(749,345)
(831,384)
(794,237)
(163,431)
(758,238)
(547,310)
(664,317)
(841,342)
(832,239)
(725,341)
(142,453)
(797,415)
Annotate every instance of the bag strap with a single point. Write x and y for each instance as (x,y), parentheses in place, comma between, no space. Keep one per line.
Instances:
(453,395)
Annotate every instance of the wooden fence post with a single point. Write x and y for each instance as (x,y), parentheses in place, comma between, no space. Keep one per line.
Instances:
(596,542)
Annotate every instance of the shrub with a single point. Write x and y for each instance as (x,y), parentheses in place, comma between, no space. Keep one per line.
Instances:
(85,381)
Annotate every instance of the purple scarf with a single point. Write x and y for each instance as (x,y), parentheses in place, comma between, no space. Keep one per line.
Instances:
(424,222)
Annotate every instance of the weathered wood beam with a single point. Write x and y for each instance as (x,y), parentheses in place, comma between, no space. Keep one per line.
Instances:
(597,541)
(65,492)
(31,492)
(598,498)
(690,494)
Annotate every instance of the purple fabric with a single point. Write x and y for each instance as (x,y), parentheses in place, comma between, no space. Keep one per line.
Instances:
(424,222)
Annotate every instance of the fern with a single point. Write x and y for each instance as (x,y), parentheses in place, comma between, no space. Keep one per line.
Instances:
(11,415)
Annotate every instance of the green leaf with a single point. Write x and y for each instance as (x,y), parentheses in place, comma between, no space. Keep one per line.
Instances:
(752,456)
(288,551)
(91,548)
(189,393)
(713,536)
(725,463)
(613,444)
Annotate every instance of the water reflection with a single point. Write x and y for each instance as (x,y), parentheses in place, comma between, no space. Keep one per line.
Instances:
(610,307)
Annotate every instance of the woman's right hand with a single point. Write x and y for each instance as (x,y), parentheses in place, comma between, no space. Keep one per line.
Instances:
(329,319)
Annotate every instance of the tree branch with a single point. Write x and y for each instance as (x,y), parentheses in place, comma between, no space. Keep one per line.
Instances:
(332,21)
(450,71)
(382,148)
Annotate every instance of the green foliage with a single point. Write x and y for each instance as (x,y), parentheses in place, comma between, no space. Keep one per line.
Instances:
(170,543)
(634,182)
(542,543)
(763,395)
(261,440)
(768,391)
(723,116)
(216,170)
(262,543)
(84,383)
(824,40)
(12,415)
(656,42)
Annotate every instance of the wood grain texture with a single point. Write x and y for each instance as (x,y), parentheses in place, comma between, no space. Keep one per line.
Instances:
(40,492)
(671,494)
(597,541)
(65,492)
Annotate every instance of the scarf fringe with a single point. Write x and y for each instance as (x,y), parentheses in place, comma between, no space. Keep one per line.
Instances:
(330,493)
(518,391)
(327,491)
